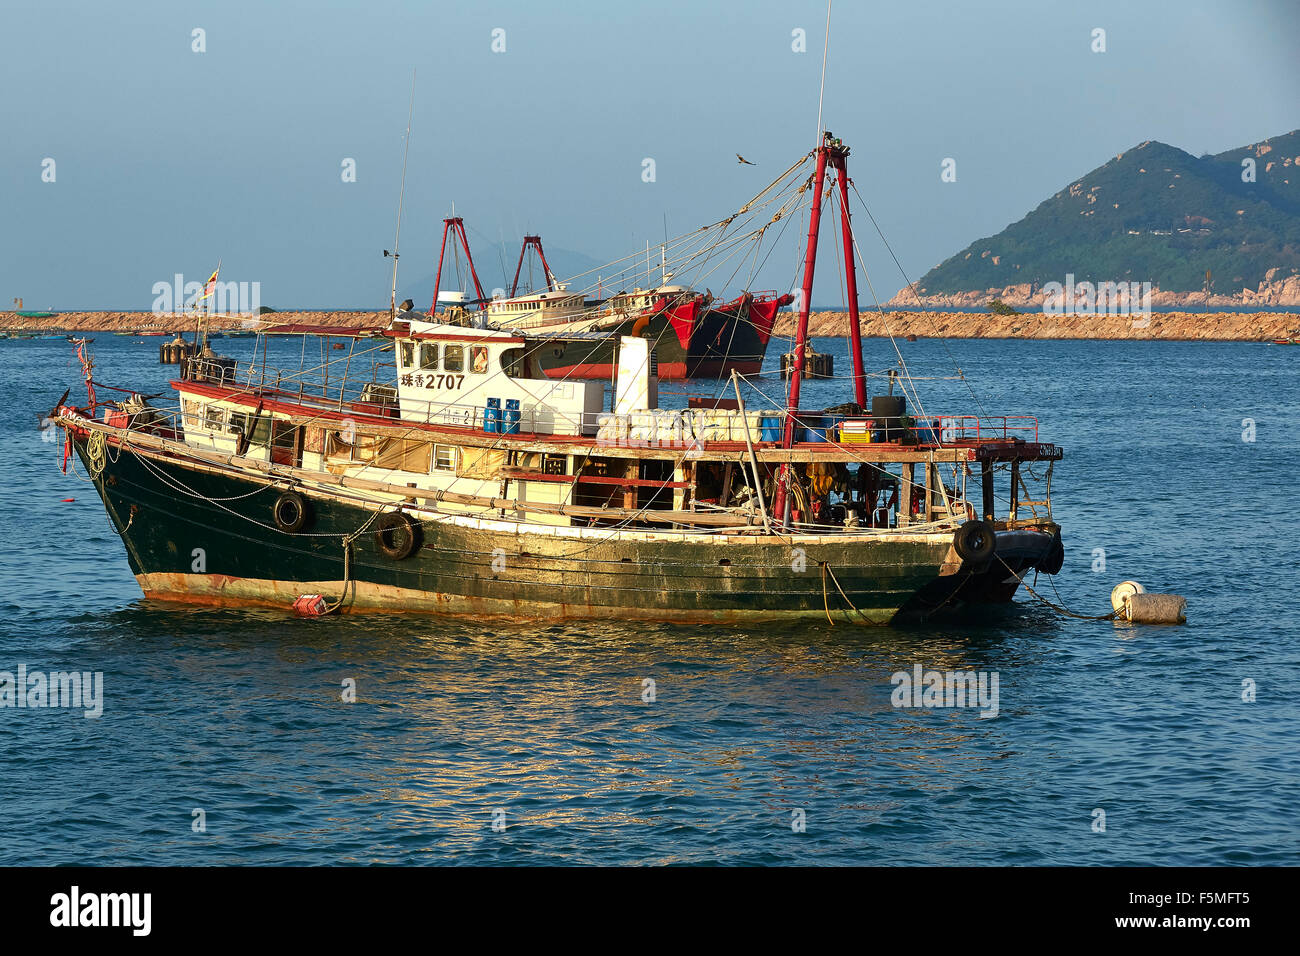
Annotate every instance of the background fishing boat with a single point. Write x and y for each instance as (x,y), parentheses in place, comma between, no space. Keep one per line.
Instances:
(696,335)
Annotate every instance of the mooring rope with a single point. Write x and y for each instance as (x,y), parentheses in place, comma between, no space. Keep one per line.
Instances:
(1058,607)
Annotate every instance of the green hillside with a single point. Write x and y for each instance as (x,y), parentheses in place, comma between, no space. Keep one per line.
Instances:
(1154,213)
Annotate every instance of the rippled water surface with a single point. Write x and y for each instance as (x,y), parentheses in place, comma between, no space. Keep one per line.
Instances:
(238,713)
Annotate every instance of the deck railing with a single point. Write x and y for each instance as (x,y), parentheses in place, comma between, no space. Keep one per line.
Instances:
(663,428)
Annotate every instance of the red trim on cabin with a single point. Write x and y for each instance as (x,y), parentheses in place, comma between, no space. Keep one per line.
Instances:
(252,399)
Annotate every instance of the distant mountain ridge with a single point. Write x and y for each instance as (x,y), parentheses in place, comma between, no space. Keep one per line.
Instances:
(1154,213)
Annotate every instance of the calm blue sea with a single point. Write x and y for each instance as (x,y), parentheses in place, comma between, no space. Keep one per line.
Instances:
(233,719)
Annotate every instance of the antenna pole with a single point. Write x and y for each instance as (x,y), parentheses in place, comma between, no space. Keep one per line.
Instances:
(392,302)
(663,252)
(822,92)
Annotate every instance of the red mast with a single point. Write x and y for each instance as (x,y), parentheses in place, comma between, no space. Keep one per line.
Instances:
(833,151)
(838,155)
(535,242)
(809,267)
(454,225)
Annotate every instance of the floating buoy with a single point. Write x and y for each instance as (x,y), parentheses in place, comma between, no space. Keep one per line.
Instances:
(1156,609)
(1122,592)
(66,500)
(311,605)
(1133,604)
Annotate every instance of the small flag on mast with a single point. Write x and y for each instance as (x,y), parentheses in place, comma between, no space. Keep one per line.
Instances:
(211,284)
(208,288)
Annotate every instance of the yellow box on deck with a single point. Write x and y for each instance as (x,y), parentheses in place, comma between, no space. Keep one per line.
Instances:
(855,437)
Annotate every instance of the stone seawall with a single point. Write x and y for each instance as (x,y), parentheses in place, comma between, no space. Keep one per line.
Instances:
(1176,326)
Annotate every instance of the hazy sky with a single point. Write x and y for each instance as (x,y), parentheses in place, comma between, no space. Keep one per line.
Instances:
(166,159)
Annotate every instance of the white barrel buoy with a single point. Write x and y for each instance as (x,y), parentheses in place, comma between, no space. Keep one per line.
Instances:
(1145,608)
(1122,592)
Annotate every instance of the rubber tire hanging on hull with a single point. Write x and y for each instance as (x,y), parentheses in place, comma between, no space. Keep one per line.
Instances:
(398,535)
(1055,557)
(974,542)
(291,512)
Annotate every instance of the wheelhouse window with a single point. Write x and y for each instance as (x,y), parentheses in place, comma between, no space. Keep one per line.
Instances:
(514,363)
(478,359)
(261,431)
(408,355)
(215,418)
(428,355)
(239,423)
(284,435)
(444,457)
(286,443)
(453,358)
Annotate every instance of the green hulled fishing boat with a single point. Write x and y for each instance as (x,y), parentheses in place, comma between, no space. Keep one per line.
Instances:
(436,467)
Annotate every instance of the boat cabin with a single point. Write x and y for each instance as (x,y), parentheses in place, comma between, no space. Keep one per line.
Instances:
(536,309)
(468,377)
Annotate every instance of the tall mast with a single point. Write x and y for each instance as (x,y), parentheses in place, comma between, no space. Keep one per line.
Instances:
(821,94)
(663,253)
(781,505)
(392,302)
(456,226)
(833,151)
(536,243)
(838,154)
(809,267)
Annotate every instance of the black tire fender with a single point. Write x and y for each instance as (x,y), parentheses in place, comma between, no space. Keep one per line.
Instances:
(1055,558)
(292,512)
(398,535)
(975,542)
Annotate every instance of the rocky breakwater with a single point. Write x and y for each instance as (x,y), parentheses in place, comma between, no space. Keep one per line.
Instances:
(1172,326)
(1189,326)
(153,322)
